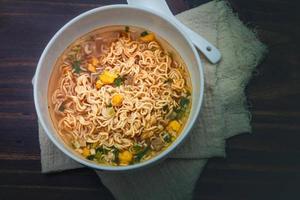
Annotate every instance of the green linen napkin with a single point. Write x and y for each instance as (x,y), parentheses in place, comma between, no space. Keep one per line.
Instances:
(223,113)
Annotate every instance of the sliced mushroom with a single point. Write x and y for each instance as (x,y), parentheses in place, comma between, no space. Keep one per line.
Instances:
(129,80)
(157,144)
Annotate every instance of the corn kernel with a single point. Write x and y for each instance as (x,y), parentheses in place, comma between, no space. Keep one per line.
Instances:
(174,125)
(99,84)
(91,68)
(125,157)
(85,152)
(94,61)
(148,38)
(117,100)
(107,77)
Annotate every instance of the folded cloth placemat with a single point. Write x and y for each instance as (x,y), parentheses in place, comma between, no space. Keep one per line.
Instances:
(223,113)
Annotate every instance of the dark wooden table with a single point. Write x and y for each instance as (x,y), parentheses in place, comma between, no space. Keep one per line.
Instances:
(264,165)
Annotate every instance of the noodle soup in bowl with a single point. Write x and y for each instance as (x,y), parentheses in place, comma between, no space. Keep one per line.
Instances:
(118,88)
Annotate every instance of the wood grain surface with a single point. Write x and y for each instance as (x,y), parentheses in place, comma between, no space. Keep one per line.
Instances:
(260,166)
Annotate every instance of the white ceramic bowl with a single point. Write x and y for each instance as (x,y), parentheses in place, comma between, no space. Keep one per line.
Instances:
(106,16)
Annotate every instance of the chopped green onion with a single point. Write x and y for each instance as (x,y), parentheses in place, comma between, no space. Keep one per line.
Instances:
(102,150)
(183,102)
(141,154)
(98,155)
(118,81)
(180,114)
(181,110)
(90,157)
(144,33)
(137,148)
(126,29)
(167,137)
(76,66)
(116,154)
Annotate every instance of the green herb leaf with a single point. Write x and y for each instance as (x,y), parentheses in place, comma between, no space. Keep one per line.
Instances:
(167,137)
(144,33)
(137,148)
(141,154)
(90,157)
(126,29)
(98,156)
(76,66)
(183,102)
(116,154)
(102,150)
(180,114)
(118,81)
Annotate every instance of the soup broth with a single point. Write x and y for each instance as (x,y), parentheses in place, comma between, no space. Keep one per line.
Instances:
(119,95)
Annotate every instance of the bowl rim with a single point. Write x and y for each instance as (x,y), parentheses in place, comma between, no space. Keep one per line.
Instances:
(162,154)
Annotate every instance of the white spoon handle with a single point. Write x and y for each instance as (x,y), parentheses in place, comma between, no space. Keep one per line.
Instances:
(209,50)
